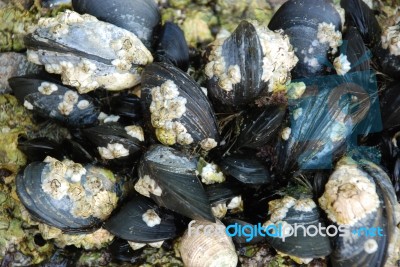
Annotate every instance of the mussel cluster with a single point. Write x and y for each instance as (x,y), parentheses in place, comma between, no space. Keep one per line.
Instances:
(285,124)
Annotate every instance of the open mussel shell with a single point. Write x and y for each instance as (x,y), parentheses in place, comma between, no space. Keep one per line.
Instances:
(248,170)
(137,16)
(177,108)
(169,178)
(88,53)
(301,212)
(239,66)
(259,126)
(141,220)
(172,47)
(359,195)
(116,142)
(313,27)
(67,195)
(52,100)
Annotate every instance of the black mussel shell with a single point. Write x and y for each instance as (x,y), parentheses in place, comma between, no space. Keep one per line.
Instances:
(248,170)
(259,126)
(359,15)
(302,212)
(188,119)
(77,152)
(241,49)
(390,106)
(115,138)
(172,47)
(388,62)
(369,201)
(55,197)
(129,222)
(38,149)
(300,20)
(55,101)
(357,53)
(171,177)
(222,192)
(137,16)
(127,106)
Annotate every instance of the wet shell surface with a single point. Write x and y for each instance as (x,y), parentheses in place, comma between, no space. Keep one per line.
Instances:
(169,177)
(69,45)
(179,111)
(67,195)
(242,65)
(199,249)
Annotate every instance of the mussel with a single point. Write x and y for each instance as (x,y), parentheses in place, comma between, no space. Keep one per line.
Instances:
(360,196)
(244,64)
(88,53)
(177,108)
(169,178)
(67,195)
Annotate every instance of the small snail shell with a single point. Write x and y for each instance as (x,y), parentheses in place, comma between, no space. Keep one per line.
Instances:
(207,249)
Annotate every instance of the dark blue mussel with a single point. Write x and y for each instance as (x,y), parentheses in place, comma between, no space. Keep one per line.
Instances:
(314,29)
(141,220)
(125,105)
(252,60)
(38,149)
(171,46)
(50,99)
(137,16)
(383,41)
(169,177)
(68,195)
(176,110)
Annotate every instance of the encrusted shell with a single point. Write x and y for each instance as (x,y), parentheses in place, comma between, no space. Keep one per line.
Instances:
(88,53)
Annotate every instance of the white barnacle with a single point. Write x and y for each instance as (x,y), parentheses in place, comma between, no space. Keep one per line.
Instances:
(219,210)
(146,186)
(391,40)
(341,64)
(210,174)
(234,74)
(151,218)
(47,88)
(56,186)
(28,105)
(285,134)
(279,57)
(135,131)
(113,151)
(305,204)
(296,89)
(59,29)
(71,97)
(235,203)
(83,104)
(135,245)
(349,195)
(208,144)
(297,113)
(370,246)
(87,66)
(166,108)
(65,108)
(279,207)
(75,171)
(111,118)
(327,34)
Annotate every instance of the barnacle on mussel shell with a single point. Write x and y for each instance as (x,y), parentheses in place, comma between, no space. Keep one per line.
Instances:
(50,99)
(169,178)
(137,16)
(141,221)
(67,195)
(88,53)
(242,65)
(178,109)
(359,195)
(313,27)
